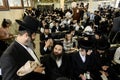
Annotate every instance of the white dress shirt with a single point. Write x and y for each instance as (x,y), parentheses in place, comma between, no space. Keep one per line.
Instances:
(59,62)
(83,57)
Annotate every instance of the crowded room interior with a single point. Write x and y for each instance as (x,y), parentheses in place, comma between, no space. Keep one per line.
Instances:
(60,40)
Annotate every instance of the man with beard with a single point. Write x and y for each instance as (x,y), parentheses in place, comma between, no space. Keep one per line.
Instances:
(57,63)
(19,53)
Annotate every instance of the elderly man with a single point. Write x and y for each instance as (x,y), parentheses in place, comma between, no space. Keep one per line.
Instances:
(19,61)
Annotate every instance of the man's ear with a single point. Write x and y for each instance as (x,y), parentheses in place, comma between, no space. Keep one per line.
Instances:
(26,34)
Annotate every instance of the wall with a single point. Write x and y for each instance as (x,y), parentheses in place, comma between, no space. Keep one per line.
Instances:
(116,4)
(12,15)
(56,5)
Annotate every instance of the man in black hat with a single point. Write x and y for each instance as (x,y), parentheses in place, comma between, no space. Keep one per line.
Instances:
(19,53)
(56,28)
(102,61)
(81,61)
(46,34)
(57,64)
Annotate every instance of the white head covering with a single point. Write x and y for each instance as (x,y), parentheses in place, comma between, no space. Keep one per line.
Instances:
(88,29)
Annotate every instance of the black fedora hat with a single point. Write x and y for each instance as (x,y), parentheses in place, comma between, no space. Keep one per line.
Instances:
(46,27)
(29,23)
(85,44)
(102,44)
(72,28)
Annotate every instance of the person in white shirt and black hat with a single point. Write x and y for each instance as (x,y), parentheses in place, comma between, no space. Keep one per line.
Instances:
(81,61)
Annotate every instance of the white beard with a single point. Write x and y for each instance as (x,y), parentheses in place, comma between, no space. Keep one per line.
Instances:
(29,43)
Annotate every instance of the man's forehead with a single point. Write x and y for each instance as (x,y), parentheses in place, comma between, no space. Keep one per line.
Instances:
(58,46)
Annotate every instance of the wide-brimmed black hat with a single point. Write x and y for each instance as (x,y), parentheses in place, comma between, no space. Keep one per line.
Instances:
(98,32)
(29,23)
(46,27)
(85,44)
(58,43)
(102,44)
(72,28)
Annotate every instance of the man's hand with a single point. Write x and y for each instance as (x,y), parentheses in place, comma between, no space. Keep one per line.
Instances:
(39,69)
(82,77)
(47,43)
(105,67)
(89,52)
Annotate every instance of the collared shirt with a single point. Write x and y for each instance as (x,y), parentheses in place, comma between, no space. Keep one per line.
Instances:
(45,49)
(83,57)
(46,36)
(0,72)
(59,62)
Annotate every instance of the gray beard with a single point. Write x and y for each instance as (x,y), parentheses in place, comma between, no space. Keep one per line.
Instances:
(30,44)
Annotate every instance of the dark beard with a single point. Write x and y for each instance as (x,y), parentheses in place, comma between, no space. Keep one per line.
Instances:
(56,57)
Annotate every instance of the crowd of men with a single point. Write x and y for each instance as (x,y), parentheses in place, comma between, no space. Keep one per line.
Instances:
(74,44)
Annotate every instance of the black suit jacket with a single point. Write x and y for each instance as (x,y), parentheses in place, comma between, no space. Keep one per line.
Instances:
(12,59)
(97,19)
(79,67)
(42,36)
(53,30)
(52,71)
